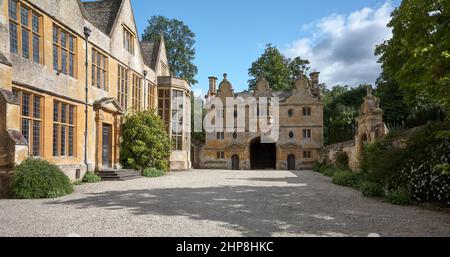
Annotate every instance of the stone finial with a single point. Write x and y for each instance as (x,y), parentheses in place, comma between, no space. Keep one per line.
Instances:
(369,90)
(225,76)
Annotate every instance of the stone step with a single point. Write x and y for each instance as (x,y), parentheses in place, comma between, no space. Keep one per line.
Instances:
(119,175)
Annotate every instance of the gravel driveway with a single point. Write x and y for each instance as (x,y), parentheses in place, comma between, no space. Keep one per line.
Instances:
(219,203)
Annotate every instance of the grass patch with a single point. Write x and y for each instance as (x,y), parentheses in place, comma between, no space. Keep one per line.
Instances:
(153,173)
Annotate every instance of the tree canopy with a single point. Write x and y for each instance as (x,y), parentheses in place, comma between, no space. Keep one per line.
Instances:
(279,71)
(417,57)
(341,108)
(180,41)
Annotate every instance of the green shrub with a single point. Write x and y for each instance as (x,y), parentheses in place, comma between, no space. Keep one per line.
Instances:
(427,174)
(342,160)
(91,177)
(347,178)
(401,196)
(371,189)
(329,171)
(37,179)
(145,142)
(382,163)
(153,173)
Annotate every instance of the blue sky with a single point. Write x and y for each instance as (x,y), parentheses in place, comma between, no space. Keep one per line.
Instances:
(338,36)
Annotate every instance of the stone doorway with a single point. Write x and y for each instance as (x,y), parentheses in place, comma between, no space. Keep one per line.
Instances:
(235,162)
(263,156)
(107,145)
(291,162)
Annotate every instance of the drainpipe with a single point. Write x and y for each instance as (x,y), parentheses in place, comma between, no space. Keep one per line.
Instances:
(145,90)
(87,34)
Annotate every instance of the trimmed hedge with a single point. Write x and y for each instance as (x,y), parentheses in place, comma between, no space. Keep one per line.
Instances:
(38,179)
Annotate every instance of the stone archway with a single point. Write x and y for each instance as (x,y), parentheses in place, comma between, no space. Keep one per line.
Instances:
(262,156)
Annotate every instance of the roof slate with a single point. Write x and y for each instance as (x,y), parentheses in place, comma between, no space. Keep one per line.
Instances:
(150,51)
(102,14)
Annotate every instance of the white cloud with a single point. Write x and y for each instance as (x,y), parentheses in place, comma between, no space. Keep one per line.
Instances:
(341,47)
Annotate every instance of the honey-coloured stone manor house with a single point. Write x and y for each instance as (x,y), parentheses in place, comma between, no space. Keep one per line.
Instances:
(300,129)
(58,57)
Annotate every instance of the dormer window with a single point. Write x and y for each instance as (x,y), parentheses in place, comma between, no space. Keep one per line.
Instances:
(128,40)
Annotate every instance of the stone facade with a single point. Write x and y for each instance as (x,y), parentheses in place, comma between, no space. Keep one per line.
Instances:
(125,78)
(300,128)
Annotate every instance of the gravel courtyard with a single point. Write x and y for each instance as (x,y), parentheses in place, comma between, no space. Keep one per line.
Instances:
(218,203)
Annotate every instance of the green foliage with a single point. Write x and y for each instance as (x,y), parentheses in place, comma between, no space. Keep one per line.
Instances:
(329,171)
(145,142)
(153,173)
(371,189)
(421,166)
(341,108)
(342,161)
(180,41)
(416,57)
(382,163)
(427,164)
(278,70)
(347,178)
(37,179)
(399,196)
(91,177)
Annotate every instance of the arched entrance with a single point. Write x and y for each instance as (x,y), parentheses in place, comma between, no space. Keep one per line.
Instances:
(291,162)
(235,162)
(262,156)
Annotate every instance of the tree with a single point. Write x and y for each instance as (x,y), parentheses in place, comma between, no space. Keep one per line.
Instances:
(417,57)
(298,67)
(145,142)
(180,41)
(392,101)
(341,108)
(278,70)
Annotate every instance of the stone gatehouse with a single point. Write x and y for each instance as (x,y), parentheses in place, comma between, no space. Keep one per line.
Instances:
(43,89)
(300,129)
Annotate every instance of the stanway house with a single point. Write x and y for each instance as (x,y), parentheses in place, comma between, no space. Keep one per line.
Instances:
(59,58)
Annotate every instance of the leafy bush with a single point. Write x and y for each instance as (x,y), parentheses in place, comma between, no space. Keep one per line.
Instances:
(145,142)
(329,171)
(371,189)
(153,173)
(400,196)
(427,170)
(347,178)
(91,177)
(382,163)
(37,179)
(342,160)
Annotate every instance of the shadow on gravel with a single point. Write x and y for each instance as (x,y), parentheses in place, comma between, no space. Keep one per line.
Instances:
(317,209)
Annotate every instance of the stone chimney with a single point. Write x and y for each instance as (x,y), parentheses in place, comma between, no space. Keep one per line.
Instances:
(314,76)
(315,88)
(212,86)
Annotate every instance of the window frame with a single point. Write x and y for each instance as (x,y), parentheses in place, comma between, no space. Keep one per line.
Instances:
(67,125)
(165,106)
(136,92)
(178,117)
(64,49)
(20,28)
(122,86)
(32,120)
(99,74)
(129,40)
